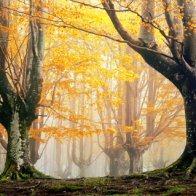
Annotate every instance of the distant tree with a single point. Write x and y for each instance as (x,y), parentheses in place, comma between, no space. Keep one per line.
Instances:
(35,143)
(148,114)
(81,151)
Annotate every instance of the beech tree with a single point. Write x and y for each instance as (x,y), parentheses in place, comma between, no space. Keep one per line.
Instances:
(174,22)
(179,66)
(20,91)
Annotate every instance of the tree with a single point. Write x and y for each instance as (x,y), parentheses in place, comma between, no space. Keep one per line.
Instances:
(20,90)
(173,21)
(35,143)
(179,67)
(140,100)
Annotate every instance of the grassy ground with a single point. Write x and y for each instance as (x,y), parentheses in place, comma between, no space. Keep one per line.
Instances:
(125,185)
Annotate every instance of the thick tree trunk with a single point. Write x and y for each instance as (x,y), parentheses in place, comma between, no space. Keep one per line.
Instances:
(18,164)
(190,111)
(14,149)
(35,144)
(136,162)
(18,105)
(34,147)
(131,165)
(189,154)
(25,145)
(187,161)
(114,166)
(82,170)
(17,149)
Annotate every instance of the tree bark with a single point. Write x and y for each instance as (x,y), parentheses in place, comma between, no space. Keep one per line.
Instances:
(136,161)
(190,112)
(14,149)
(114,166)
(34,146)
(17,160)
(18,107)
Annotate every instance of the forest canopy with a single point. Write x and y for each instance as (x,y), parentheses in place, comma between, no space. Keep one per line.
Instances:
(111,77)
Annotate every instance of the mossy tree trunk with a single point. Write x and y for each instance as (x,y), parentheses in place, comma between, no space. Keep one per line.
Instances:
(187,161)
(17,159)
(19,101)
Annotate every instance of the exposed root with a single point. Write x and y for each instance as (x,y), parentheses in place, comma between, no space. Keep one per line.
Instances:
(182,167)
(191,168)
(12,173)
(176,166)
(159,173)
(31,172)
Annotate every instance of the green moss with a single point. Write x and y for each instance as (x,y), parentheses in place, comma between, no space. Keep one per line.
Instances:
(157,172)
(136,191)
(100,181)
(113,192)
(3,194)
(11,173)
(165,190)
(176,189)
(68,187)
(3,179)
(134,176)
(156,189)
(32,173)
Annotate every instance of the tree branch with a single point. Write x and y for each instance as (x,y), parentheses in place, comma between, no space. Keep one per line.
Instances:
(3,142)
(166,66)
(35,83)
(5,87)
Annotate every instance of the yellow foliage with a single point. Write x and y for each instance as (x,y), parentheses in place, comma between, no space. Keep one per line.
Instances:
(128,129)
(3,131)
(112,130)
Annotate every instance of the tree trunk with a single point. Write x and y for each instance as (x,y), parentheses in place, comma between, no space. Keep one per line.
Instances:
(136,162)
(14,149)
(17,147)
(190,111)
(18,164)
(35,144)
(187,161)
(18,105)
(82,170)
(34,148)
(113,170)
(131,164)
(139,163)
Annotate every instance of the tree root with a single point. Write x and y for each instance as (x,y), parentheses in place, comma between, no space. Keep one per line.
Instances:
(184,167)
(12,173)
(191,169)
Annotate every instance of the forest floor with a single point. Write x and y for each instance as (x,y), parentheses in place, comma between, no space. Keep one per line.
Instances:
(140,184)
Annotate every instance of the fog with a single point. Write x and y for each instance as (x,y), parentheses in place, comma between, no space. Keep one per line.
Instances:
(56,159)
